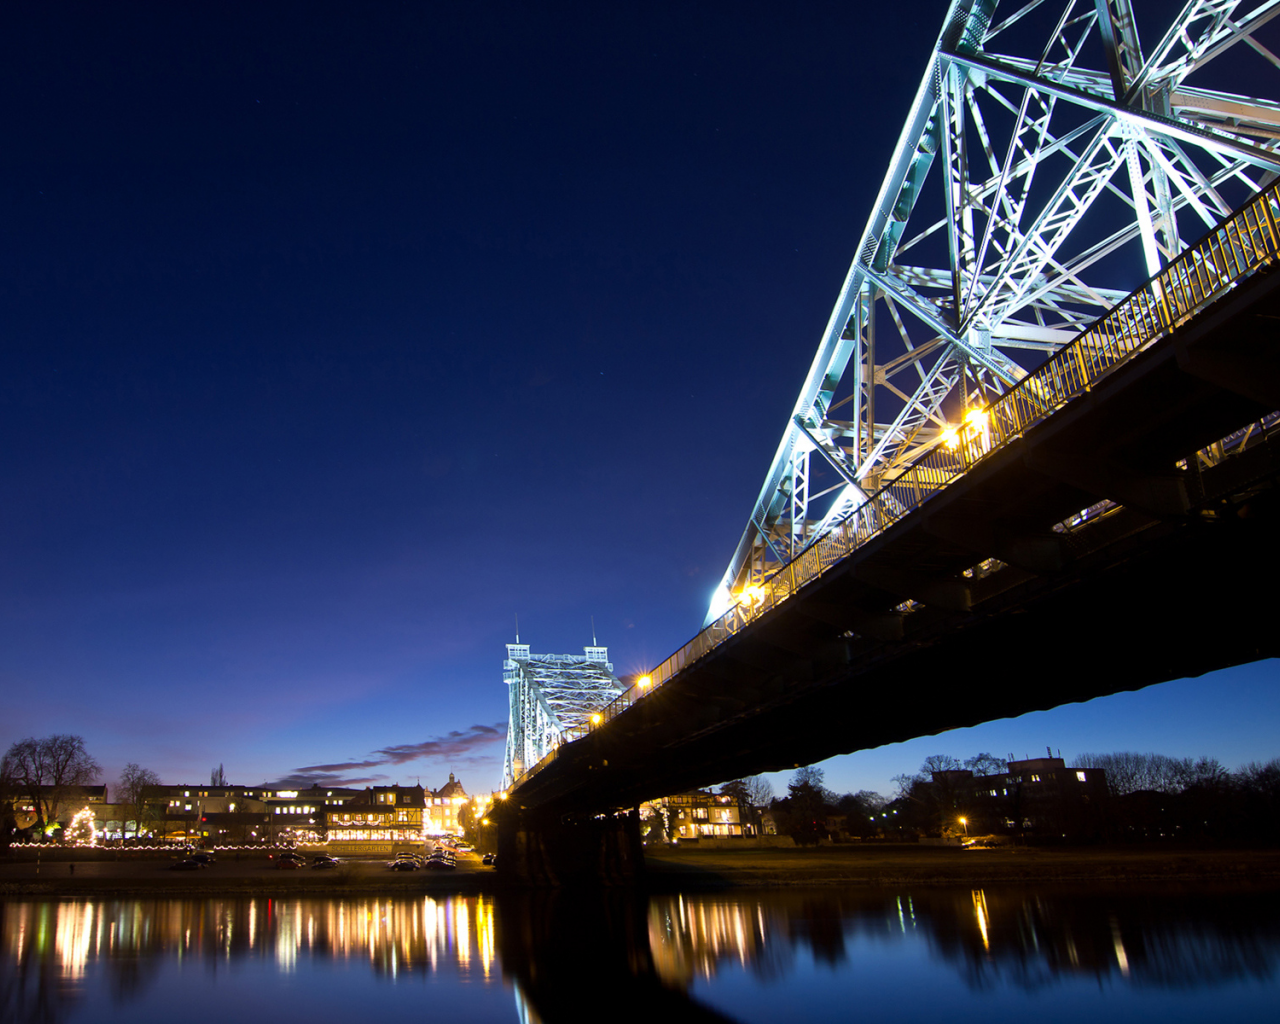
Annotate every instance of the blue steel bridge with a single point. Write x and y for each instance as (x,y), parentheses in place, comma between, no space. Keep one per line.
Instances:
(1009,480)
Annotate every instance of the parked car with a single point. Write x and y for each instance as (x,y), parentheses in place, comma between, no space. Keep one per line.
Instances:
(441,863)
(204,858)
(324,861)
(489,858)
(403,865)
(186,864)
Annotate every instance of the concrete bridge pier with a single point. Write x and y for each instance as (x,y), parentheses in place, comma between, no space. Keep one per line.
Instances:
(546,850)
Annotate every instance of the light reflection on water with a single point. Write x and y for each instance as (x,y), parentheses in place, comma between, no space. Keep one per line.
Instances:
(542,956)
(393,935)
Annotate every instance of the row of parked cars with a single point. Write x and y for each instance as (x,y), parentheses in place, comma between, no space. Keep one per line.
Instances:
(442,858)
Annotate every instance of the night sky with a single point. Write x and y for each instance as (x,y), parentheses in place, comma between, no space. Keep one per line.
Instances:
(336,336)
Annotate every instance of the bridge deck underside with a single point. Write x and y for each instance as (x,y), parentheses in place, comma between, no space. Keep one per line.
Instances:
(1175,582)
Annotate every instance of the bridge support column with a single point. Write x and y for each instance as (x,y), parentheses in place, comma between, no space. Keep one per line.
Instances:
(538,851)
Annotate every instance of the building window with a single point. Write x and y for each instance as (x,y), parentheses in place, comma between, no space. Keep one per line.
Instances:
(1080,777)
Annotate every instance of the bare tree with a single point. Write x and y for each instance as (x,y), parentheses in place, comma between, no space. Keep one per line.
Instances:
(47,769)
(218,777)
(808,775)
(759,790)
(753,791)
(134,779)
(986,764)
(1130,772)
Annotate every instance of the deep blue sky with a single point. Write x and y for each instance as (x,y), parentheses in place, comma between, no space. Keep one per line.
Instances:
(337,335)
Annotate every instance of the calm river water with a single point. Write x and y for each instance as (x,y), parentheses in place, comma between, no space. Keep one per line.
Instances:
(1047,954)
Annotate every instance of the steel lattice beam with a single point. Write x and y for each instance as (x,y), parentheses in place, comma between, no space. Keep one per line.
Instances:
(551,694)
(1047,164)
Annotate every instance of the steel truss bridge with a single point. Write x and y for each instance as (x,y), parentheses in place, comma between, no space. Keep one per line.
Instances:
(1005,454)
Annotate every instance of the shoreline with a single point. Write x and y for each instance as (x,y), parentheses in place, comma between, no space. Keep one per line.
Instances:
(666,871)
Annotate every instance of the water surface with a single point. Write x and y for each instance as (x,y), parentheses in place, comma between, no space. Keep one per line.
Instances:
(960,954)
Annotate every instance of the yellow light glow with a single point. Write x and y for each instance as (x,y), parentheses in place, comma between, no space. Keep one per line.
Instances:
(644,681)
(950,438)
(976,418)
(595,719)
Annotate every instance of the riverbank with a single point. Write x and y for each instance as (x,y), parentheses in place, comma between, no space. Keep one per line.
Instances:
(891,865)
(667,871)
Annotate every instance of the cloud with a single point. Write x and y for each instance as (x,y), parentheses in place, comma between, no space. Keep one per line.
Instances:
(465,746)
(454,745)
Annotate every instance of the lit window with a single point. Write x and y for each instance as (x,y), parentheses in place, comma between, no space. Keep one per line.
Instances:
(1080,777)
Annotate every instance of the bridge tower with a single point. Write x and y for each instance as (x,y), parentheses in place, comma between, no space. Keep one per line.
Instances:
(1051,160)
(552,696)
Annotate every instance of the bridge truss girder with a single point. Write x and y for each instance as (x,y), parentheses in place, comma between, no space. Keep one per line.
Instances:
(550,696)
(1070,165)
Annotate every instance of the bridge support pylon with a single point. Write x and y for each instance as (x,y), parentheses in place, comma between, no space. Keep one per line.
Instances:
(602,849)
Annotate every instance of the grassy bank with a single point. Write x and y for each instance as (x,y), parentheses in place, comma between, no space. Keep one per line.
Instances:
(668,870)
(917,865)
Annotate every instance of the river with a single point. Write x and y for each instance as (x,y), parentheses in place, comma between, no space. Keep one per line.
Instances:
(929,953)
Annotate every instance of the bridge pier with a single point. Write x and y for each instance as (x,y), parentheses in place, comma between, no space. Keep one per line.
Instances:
(554,851)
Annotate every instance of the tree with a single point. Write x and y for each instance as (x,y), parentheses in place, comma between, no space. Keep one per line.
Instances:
(986,764)
(218,777)
(859,810)
(469,825)
(805,807)
(759,791)
(751,795)
(134,779)
(47,769)
(754,791)
(8,792)
(809,775)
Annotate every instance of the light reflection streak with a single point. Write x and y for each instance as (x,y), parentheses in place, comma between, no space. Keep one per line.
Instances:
(394,936)
(1122,958)
(980,912)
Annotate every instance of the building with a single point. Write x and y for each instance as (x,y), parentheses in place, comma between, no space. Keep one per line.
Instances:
(444,808)
(1039,796)
(378,821)
(237,815)
(698,815)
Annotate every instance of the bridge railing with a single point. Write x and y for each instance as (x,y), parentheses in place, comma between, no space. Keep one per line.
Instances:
(1231,252)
